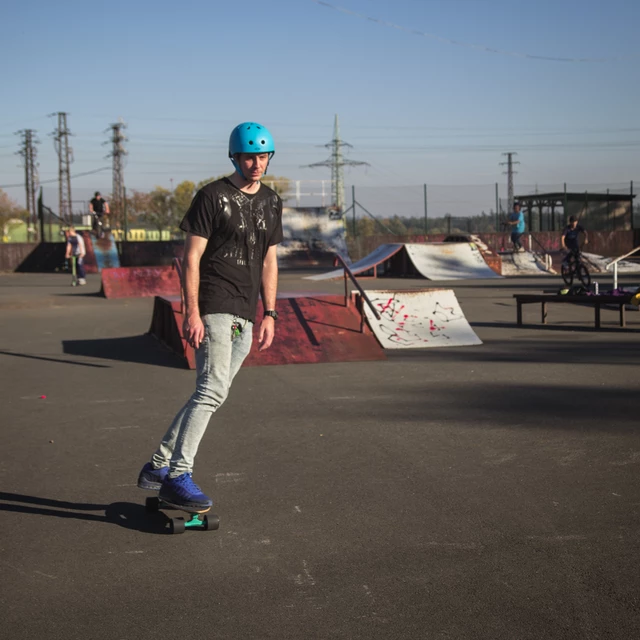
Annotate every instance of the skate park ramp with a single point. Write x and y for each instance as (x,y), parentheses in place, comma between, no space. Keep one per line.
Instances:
(419,319)
(601,263)
(140,282)
(312,328)
(434,261)
(524,263)
(449,261)
(311,238)
(376,258)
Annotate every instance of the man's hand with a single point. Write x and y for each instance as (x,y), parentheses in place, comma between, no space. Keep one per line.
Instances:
(193,330)
(267,331)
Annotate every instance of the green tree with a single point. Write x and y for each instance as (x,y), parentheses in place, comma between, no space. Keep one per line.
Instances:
(11,214)
(182,196)
(161,212)
(138,204)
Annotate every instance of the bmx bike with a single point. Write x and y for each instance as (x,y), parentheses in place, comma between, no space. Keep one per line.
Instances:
(574,267)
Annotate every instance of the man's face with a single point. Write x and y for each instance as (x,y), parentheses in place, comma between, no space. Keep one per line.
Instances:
(253,165)
(573,223)
(516,208)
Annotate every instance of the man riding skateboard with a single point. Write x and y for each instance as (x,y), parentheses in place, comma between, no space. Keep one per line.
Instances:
(233,226)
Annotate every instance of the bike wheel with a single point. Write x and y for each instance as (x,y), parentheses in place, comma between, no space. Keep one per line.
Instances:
(567,273)
(583,275)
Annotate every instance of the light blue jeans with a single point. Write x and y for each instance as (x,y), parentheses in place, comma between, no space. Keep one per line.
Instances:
(218,359)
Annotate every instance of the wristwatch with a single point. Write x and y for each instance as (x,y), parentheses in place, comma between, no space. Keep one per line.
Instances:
(271,313)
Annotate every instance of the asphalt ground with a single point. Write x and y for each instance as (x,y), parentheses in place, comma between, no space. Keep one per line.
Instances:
(487,492)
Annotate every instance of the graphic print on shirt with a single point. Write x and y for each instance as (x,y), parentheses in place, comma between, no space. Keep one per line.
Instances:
(252,222)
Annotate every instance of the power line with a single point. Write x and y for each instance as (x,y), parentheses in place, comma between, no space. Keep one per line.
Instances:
(337,164)
(117,154)
(65,158)
(469,45)
(41,182)
(509,173)
(29,154)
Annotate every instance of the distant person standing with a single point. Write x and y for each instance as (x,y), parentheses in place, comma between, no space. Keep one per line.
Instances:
(76,250)
(99,207)
(571,237)
(516,221)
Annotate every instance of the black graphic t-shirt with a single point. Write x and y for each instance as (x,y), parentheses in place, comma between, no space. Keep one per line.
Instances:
(240,227)
(571,236)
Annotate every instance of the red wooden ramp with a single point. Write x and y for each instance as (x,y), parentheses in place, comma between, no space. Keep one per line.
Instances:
(311,328)
(140,282)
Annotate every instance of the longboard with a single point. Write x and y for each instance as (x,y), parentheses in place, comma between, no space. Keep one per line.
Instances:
(197,519)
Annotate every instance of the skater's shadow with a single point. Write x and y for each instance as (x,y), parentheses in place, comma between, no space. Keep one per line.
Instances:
(125,514)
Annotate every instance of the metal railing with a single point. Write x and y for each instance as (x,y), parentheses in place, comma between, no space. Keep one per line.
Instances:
(545,254)
(614,264)
(365,297)
(177,265)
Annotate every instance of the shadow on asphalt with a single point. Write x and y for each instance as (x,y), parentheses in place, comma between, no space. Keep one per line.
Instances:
(124,514)
(49,359)
(144,349)
(530,350)
(83,294)
(569,327)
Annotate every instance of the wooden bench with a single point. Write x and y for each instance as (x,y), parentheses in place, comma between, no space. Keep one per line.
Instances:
(592,301)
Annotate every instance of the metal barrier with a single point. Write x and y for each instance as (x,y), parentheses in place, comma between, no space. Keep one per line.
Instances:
(177,265)
(365,297)
(614,264)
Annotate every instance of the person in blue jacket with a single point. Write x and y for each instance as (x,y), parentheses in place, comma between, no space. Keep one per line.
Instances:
(516,221)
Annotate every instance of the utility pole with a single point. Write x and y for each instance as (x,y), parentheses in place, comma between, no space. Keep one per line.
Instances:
(65,158)
(118,152)
(29,154)
(337,163)
(509,172)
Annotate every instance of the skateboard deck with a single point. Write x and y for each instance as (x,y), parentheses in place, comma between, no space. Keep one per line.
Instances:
(197,519)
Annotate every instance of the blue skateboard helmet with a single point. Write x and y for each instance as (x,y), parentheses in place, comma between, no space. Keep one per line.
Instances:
(250,137)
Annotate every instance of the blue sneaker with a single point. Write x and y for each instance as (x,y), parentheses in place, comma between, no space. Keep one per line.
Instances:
(183,493)
(151,478)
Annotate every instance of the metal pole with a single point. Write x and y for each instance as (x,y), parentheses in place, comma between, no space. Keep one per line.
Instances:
(124,208)
(425,210)
(609,212)
(631,204)
(353,201)
(41,216)
(497,209)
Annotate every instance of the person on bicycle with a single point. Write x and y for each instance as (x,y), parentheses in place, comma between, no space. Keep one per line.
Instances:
(100,208)
(571,238)
(516,221)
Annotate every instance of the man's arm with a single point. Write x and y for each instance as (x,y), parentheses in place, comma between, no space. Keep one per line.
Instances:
(268,291)
(564,233)
(193,328)
(106,207)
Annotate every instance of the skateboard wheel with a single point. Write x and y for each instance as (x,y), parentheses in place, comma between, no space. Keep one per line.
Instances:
(176,525)
(210,523)
(152,504)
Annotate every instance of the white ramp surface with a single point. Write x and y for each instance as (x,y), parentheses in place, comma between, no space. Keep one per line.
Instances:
(382,253)
(419,319)
(449,261)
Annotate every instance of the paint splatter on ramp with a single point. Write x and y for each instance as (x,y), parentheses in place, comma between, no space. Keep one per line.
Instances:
(419,319)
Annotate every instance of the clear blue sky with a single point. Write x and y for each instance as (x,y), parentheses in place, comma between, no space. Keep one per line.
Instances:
(418,109)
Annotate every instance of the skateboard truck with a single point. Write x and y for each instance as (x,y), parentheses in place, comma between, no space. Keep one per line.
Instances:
(180,525)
